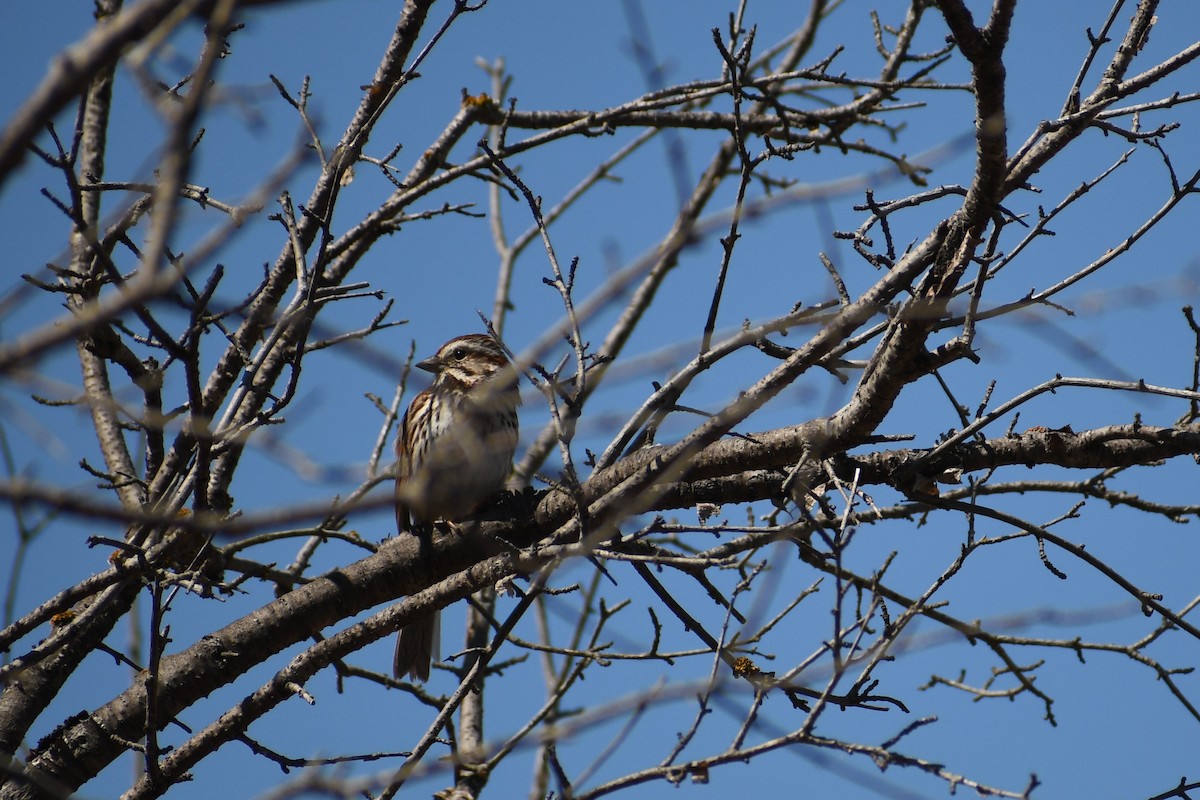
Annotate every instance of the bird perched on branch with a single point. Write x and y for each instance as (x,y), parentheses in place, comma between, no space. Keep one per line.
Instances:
(454,451)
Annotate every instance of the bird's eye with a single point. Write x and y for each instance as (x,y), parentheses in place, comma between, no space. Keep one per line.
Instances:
(460,354)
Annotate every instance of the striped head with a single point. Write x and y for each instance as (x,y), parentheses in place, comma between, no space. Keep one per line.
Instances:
(465,362)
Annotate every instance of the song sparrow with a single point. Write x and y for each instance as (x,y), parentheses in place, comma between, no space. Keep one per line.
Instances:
(454,450)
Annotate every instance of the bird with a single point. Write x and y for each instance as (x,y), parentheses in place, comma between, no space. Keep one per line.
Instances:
(454,451)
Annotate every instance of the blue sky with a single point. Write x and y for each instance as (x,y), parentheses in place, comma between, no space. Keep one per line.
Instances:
(1126,325)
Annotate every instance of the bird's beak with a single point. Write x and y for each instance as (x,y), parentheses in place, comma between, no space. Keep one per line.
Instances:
(430,364)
